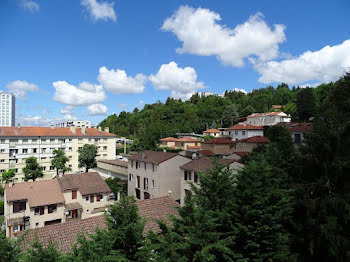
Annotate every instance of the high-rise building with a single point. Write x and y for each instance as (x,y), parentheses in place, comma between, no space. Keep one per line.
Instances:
(76,123)
(7,109)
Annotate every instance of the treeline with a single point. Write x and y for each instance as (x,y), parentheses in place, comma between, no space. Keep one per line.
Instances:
(160,120)
(287,204)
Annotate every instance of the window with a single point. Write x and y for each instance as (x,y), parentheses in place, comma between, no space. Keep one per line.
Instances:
(153,167)
(74,194)
(104,148)
(52,140)
(243,133)
(92,199)
(69,149)
(153,183)
(132,163)
(145,183)
(52,168)
(137,165)
(195,178)
(43,140)
(2,160)
(44,168)
(25,151)
(2,150)
(34,140)
(297,138)
(37,224)
(131,177)
(34,150)
(138,193)
(87,199)
(187,175)
(138,181)
(2,141)
(25,140)
(99,198)
(17,228)
(146,195)
(39,211)
(145,165)
(19,206)
(236,133)
(52,208)
(80,140)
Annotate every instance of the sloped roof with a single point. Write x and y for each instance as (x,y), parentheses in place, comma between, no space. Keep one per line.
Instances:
(50,132)
(219,141)
(86,183)
(203,163)
(155,157)
(37,193)
(170,139)
(268,114)
(194,147)
(242,153)
(297,127)
(245,127)
(114,162)
(254,139)
(213,130)
(65,234)
(183,139)
(206,152)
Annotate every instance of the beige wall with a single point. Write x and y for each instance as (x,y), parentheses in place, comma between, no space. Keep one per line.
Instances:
(245,147)
(219,149)
(108,170)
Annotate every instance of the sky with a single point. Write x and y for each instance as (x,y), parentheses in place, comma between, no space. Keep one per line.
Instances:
(87,59)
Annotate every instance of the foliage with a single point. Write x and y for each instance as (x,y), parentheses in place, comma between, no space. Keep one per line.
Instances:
(1,208)
(59,161)
(37,252)
(7,175)
(9,249)
(206,138)
(117,185)
(306,104)
(87,156)
(230,115)
(2,190)
(32,170)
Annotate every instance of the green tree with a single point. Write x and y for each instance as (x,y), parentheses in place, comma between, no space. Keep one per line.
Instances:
(37,252)
(248,110)
(9,249)
(291,109)
(2,190)
(306,104)
(7,175)
(32,170)
(59,161)
(87,156)
(117,185)
(230,115)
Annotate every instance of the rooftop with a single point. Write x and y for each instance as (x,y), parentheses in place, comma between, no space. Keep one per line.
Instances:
(203,163)
(114,162)
(184,139)
(297,127)
(65,234)
(254,139)
(222,141)
(245,127)
(213,130)
(51,132)
(155,157)
(37,193)
(206,152)
(86,183)
(268,114)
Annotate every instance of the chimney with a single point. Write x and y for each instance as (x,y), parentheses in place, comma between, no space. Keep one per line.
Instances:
(83,130)
(99,128)
(107,129)
(52,127)
(72,129)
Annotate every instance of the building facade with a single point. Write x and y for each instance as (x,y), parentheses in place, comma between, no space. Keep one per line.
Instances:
(112,168)
(211,132)
(19,143)
(76,123)
(219,146)
(155,174)
(248,144)
(180,143)
(268,119)
(7,109)
(242,131)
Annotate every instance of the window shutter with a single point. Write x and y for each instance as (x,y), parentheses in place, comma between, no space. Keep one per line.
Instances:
(91,199)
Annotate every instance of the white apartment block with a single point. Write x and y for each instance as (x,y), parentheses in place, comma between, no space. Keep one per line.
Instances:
(155,174)
(19,143)
(241,131)
(76,123)
(268,119)
(7,109)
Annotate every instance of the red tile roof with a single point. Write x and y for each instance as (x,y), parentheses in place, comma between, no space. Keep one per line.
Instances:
(65,234)
(203,163)
(194,147)
(51,132)
(254,139)
(170,139)
(37,193)
(297,127)
(184,139)
(277,106)
(213,130)
(222,141)
(206,153)
(245,127)
(155,157)
(243,153)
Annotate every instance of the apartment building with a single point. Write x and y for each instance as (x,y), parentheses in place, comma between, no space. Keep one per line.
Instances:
(268,119)
(241,131)
(76,123)
(7,109)
(19,143)
(154,174)
(189,172)
(37,204)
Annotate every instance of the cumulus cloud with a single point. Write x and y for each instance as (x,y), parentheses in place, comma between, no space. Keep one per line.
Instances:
(123,105)
(83,94)
(240,90)
(20,88)
(118,82)
(324,65)
(201,34)
(31,120)
(182,82)
(67,113)
(29,5)
(97,109)
(100,10)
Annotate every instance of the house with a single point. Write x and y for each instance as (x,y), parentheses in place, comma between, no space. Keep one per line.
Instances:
(267,119)
(248,144)
(276,108)
(112,168)
(37,204)
(154,174)
(298,130)
(241,131)
(189,172)
(19,143)
(65,235)
(180,143)
(211,132)
(219,146)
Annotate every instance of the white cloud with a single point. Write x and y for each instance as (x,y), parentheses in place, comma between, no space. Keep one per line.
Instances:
(100,10)
(20,88)
(67,113)
(324,65)
(201,34)
(181,81)
(97,109)
(140,104)
(30,120)
(83,94)
(240,90)
(118,82)
(29,5)
(123,105)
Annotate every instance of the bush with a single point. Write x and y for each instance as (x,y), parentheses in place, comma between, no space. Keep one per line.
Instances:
(1,208)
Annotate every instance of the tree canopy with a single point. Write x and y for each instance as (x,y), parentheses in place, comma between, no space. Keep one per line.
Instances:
(59,161)
(32,170)
(87,156)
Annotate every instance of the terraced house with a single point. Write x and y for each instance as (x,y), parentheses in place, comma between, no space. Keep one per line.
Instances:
(19,143)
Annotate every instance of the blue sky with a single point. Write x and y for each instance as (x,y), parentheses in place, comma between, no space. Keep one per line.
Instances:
(86,59)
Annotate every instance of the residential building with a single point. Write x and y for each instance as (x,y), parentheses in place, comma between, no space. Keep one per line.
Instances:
(248,144)
(211,132)
(219,146)
(7,109)
(241,131)
(65,235)
(267,119)
(19,143)
(154,174)
(297,130)
(37,204)
(76,123)
(180,143)
(238,155)
(112,168)
(189,172)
